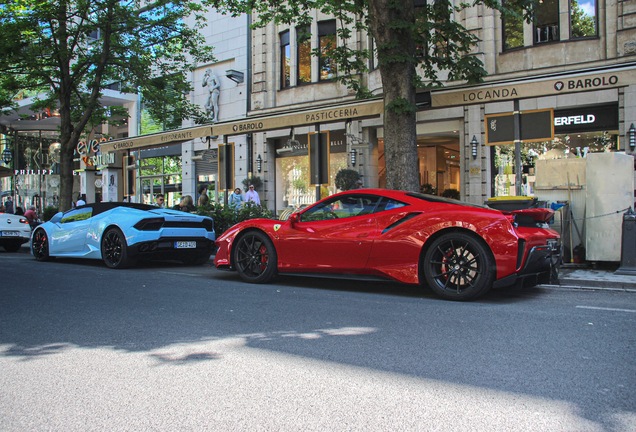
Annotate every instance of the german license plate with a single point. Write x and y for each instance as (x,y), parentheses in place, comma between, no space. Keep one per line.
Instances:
(185,245)
(10,233)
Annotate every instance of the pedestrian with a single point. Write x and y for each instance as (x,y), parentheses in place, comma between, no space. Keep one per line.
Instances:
(81,200)
(203,198)
(160,201)
(19,211)
(236,199)
(252,195)
(186,204)
(32,217)
(8,206)
(359,184)
(30,214)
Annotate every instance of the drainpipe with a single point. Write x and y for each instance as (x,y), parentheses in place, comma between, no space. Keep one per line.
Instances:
(250,143)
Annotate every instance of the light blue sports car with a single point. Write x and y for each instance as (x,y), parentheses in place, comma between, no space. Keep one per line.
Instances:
(122,233)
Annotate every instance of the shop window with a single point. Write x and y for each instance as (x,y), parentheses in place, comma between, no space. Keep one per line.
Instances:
(373,55)
(546,28)
(512,28)
(303,53)
(583,22)
(326,43)
(441,15)
(285,60)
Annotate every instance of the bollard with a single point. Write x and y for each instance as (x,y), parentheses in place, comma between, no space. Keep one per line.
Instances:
(628,245)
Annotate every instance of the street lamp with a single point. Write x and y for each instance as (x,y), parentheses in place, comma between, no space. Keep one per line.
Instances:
(631,137)
(353,154)
(474,143)
(7,156)
(259,163)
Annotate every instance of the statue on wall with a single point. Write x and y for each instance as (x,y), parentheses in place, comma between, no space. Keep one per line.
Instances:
(214,89)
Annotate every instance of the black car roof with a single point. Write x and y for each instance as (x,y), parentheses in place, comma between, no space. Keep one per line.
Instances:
(109,205)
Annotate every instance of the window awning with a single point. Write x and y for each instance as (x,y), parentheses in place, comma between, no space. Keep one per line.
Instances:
(335,113)
(5,172)
(161,139)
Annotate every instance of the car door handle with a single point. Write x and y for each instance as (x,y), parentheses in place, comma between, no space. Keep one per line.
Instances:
(363,235)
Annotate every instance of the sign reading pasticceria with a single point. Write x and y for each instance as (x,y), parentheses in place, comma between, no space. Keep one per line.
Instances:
(280,121)
(534,88)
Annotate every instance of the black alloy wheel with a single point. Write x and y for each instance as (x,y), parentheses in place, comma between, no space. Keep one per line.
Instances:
(115,249)
(255,258)
(40,245)
(458,266)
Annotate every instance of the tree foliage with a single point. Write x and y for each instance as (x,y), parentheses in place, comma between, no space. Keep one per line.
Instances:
(70,51)
(419,47)
(346,179)
(225,217)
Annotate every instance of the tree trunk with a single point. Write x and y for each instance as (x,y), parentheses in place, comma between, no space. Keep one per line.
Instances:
(395,48)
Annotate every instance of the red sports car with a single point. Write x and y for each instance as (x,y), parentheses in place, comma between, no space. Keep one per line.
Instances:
(458,249)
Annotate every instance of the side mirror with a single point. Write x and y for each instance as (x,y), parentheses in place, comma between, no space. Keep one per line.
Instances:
(294,219)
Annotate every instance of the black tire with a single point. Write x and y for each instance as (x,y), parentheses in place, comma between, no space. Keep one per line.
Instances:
(115,249)
(255,257)
(458,266)
(12,247)
(196,261)
(40,245)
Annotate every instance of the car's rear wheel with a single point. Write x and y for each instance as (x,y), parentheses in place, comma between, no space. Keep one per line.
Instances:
(458,266)
(12,247)
(40,245)
(255,257)
(115,249)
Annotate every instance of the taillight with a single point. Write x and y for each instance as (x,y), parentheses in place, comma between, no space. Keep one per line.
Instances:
(150,224)
(208,224)
(24,221)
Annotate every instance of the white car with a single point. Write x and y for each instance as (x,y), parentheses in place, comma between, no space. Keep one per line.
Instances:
(14,231)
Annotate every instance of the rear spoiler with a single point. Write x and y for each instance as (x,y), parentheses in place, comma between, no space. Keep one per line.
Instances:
(536,214)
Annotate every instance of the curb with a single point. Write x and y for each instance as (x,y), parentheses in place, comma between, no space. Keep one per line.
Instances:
(576,285)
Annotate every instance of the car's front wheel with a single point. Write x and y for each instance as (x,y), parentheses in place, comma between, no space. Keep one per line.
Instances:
(458,266)
(255,257)
(40,245)
(115,249)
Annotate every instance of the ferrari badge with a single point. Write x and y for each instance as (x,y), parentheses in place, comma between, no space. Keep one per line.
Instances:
(276,227)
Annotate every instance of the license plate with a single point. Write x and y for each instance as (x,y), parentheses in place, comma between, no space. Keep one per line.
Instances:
(185,245)
(10,233)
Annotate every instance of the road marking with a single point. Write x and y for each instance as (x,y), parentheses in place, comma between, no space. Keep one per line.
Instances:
(606,309)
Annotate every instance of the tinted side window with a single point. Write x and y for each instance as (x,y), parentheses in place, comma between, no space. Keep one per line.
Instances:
(77,215)
(341,207)
(389,204)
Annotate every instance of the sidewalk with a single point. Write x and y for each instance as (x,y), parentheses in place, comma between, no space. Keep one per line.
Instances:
(602,277)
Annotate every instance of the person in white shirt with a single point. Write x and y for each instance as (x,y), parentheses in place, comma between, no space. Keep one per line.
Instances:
(252,195)
(81,200)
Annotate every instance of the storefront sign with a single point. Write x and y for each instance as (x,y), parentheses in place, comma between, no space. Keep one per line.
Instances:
(157,140)
(588,119)
(92,146)
(280,121)
(33,172)
(535,125)
(534,88)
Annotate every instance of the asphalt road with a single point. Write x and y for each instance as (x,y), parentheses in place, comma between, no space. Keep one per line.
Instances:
(165,347)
